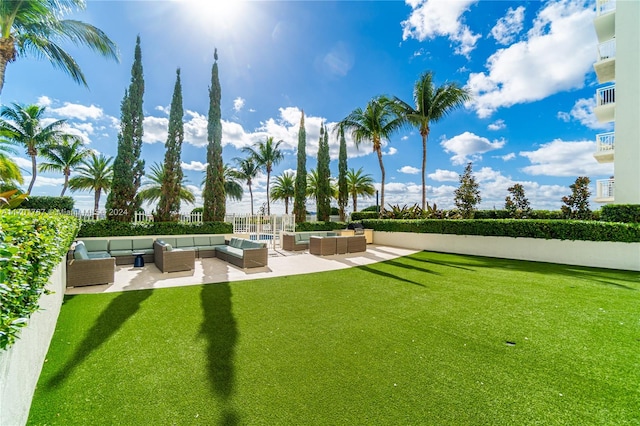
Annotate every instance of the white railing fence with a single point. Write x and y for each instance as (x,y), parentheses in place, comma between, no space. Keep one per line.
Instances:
(605,188)
(605,141)
(606,50)
(605,6)
(262,227)
(606,95)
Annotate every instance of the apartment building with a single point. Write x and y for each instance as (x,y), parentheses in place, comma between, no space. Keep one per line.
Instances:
(617,67)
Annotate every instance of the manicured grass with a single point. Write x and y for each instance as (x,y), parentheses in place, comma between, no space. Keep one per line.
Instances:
(416,340)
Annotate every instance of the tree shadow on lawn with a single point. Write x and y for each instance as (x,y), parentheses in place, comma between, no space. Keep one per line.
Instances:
(389,275)
(581,272)
(111,319)
(220,330)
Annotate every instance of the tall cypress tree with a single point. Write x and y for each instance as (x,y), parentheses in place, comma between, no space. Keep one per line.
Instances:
(343,190)
(214,195)
(300,198)
(323,196)
(128,168)
(169,205)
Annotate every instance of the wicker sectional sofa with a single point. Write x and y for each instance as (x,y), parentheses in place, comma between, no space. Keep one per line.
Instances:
(294,241)
(95,261)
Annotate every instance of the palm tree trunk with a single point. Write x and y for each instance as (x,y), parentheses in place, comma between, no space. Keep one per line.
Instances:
(66,183)
(33,173)
(355,202)
(379,152)
(251,195)
(286,205)
(424,169)
(96,203)
(268,205)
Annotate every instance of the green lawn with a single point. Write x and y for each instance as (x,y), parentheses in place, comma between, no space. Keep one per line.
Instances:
(416,340)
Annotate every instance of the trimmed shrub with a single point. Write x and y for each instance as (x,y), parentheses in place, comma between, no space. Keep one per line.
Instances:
(46,204)
(363,215)
(629,213)
(31,245)
(492,214)
(320,226)
(112,228)
(548,229)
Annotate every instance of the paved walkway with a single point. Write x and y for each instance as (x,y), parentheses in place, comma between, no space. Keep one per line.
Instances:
(212,270)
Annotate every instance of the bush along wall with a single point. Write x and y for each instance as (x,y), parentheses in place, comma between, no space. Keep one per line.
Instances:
(46,204)
(320,226)
(31,245)
(547,229)
(112,228)
(629,213)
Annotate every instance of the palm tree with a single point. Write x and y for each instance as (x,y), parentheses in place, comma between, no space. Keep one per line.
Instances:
(377,122)
(284,188)
(232,186)
(63,157)
(25,128)
(266,155)
(35,27)
(95,174)
(246,170)
(359,184)
(152,189)
(10,173)
(312,186)
(431,104)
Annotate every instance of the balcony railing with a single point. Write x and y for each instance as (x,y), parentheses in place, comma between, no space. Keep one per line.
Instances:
(606,95)
(605,188)
(605,6)
(607,50)
(605,141)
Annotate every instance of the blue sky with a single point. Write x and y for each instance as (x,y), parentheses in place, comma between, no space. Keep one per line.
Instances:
(527,63)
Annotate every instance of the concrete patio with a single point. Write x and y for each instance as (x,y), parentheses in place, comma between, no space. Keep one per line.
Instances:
(212,270)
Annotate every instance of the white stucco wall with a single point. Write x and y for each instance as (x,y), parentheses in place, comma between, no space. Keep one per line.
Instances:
(21,364)
(583,253)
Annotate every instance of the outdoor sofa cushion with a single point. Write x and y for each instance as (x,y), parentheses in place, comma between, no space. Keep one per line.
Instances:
(97,245)
(142,245)
(121,247)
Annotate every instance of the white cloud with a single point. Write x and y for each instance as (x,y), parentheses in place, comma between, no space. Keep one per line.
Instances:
(77,111)
(44,101)
(194,165)
(23,163)
(155,129)
(582,112)
(409,170)
(238,103)
(433,18)
(565,158)
(468,147)
(497,125)
(555,57)
(444,176)
(390,151)
(509,26)
(509,156)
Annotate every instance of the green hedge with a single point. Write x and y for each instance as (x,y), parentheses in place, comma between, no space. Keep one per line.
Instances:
(363,215)
(621,213)
(112,228)
(547,229)
(45,204)
(31,245)
(320,226)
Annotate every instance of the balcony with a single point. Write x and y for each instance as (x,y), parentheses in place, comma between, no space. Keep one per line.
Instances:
(605,20)
(605,109)
(605,189)
(605,66)
(605,147)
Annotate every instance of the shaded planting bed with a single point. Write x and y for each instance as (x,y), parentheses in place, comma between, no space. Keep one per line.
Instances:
(429,338)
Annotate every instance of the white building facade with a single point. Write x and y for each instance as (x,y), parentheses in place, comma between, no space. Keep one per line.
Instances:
(617,68)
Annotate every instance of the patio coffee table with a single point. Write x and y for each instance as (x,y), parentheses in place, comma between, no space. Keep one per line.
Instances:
(138,262)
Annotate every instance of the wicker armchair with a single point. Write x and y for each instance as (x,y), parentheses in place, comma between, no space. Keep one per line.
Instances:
(81,272)
(322,246)
(173,260)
